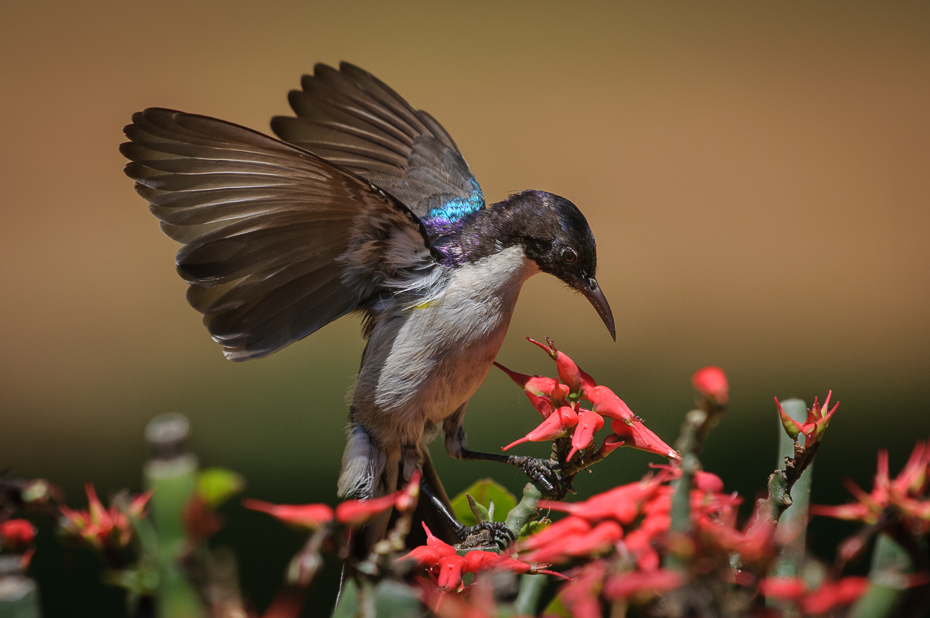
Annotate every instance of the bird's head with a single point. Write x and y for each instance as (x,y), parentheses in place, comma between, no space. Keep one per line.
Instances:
(556,236)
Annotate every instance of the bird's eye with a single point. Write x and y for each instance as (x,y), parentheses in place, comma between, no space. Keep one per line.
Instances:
(569,256)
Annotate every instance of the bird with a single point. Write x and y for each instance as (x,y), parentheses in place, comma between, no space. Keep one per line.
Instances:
(362,205)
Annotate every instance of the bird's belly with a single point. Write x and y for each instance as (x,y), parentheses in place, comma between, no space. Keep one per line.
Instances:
(426,362)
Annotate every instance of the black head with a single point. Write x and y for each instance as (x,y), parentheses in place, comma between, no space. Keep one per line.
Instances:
(556,236)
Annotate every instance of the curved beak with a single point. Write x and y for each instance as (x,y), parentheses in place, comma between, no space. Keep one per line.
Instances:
(592,291)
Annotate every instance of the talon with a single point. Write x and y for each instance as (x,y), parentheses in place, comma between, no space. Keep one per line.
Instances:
(500,534)
(543,472)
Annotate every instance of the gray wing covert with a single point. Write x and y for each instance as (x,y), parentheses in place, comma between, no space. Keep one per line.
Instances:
(351,118)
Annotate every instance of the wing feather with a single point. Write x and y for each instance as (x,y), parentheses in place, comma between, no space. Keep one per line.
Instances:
(359,123)
(277,242)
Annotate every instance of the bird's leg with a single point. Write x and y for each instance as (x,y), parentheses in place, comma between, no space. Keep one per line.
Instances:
(543,471)
(485,533)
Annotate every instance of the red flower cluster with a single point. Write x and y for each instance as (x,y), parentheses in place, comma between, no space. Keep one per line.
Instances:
(350,512)
(635,520)
(907,494)
(623,533)
(100,528)
(446,566)
(16,535)
(558,402)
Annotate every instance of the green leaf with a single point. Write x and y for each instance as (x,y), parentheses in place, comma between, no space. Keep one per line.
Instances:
(481,514)
(348,600)
(557,608)
(217,485)
(484,492)
(396,600)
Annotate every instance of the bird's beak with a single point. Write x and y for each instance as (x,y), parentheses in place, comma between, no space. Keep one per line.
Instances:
(592,291)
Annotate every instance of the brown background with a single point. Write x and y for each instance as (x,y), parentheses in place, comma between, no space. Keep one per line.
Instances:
(757,176)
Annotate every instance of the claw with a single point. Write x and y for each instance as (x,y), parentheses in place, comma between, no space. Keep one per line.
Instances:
(543,472)
(500,534)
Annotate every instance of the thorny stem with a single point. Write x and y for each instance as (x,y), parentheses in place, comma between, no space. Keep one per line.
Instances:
(688,444)
(714,414)
(392,543)
(792,526)
(691,436)
(306,564)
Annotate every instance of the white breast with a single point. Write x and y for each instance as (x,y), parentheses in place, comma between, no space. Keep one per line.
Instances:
(424,362)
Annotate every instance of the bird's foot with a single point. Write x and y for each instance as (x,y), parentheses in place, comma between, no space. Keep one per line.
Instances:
(487,534)
(545,473)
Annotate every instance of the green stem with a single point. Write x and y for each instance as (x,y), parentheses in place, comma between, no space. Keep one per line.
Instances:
(888,580)
(531,587)
(526,510)
(689,440)
(172,474)
(792,526)
(19,595)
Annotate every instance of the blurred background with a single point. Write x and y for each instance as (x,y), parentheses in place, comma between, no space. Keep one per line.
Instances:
(757,176)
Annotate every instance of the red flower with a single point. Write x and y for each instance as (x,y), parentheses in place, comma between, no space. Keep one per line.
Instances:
(712,383)
(588,424)
(309,516)
(554,534)
(817,420)
(102,528)
(350,512)
(569,373)
(708,482)
(355,512)
(755,543)
(555,426)
(832,594)
(608,404)
(634,433)
(541,386)
(904,494)
(622,503)
(580,595)
(785,588)
(16,535)
(200,521)
(640,587)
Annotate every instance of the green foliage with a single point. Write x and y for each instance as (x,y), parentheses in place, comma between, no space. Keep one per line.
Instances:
(217,485)
(484,493)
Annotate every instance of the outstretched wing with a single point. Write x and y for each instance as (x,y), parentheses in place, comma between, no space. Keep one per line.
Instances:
(351,118)
(277,241)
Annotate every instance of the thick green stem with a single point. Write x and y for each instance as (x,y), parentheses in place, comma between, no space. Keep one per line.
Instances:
(888,580)
(526,509)
(531,587)
(172,474)
(19,595)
